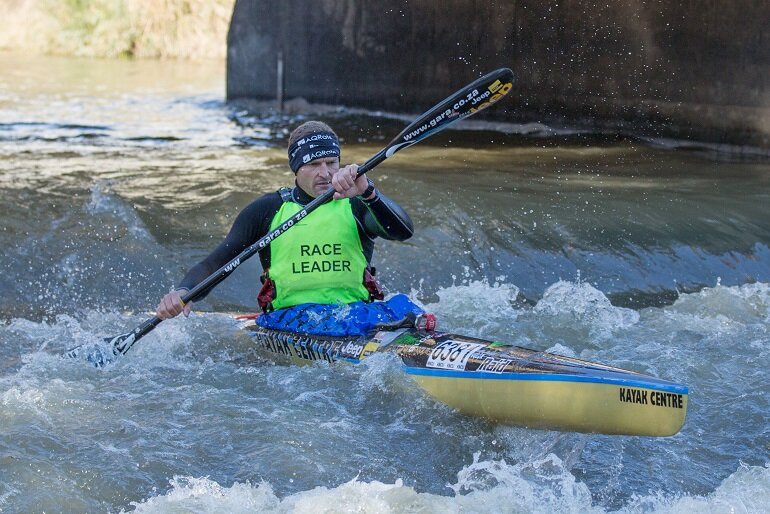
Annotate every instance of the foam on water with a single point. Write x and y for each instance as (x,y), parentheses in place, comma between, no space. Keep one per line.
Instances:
(273,438)
(570,316)
(722,309)
(580,304)
(474,306)
(542,486)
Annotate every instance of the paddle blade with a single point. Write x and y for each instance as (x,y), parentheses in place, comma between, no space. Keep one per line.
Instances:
(476,96)
(99,355)
(103,354)
(120,344)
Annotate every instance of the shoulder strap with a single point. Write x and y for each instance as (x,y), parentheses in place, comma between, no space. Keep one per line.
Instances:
(285,193)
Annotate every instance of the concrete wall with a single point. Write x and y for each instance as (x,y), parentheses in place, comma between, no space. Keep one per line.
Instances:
(689,68)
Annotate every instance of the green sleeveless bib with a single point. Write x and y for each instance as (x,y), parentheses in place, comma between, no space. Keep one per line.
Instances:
(320,260)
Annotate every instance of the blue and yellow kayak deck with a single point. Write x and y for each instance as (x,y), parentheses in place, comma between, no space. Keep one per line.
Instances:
(507,384)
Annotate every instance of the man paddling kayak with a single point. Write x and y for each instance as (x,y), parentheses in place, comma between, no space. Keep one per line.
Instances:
(478,95)
(325,259)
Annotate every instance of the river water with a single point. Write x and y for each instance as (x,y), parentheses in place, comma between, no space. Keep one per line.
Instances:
(116,176)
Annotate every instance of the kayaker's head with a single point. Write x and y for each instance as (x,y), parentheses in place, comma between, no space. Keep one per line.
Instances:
(314,156)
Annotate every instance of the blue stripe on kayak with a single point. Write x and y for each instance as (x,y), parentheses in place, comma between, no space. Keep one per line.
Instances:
(552,377)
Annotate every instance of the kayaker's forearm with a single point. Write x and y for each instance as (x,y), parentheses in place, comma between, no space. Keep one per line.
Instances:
(235,242)
(198,274)
(251,223)
(386,219)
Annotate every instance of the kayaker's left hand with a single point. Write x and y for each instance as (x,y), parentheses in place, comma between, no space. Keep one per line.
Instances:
(346,184)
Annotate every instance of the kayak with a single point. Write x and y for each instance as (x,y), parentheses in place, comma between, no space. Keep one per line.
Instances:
(505,383)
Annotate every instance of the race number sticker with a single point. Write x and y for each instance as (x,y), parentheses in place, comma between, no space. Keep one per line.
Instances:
(452,355)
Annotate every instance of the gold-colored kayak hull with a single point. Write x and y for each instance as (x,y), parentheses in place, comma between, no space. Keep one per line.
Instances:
(507,384)
(559,403)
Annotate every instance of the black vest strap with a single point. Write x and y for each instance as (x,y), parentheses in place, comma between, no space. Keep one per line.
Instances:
(285,193)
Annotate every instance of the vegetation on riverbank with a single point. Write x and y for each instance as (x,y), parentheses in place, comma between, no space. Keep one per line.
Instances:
(176,29)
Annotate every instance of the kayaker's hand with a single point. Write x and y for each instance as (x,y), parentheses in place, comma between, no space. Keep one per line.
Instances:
(346,184)
(171,305)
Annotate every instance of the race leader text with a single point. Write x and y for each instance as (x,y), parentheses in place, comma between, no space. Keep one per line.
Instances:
(323,264)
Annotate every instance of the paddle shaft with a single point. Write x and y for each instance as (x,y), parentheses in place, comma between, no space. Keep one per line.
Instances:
(478,95)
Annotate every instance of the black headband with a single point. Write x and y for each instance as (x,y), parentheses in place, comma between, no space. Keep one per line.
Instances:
(311,147)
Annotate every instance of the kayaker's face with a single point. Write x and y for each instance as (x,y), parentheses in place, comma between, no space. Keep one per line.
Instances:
(315,177)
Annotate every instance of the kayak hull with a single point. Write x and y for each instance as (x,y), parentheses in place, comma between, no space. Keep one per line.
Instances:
(505,383)
(555,403)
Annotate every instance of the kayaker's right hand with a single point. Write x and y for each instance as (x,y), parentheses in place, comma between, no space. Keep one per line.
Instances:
(171,306)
